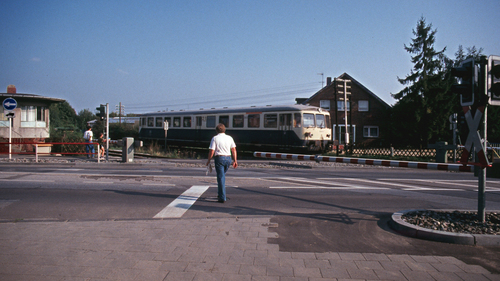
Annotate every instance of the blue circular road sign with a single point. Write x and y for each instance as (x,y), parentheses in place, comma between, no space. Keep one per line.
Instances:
(9,104)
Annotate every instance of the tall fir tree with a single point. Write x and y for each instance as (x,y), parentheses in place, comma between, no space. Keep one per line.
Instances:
(422,105)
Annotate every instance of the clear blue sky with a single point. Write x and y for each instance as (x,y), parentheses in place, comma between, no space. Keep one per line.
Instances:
(158,55)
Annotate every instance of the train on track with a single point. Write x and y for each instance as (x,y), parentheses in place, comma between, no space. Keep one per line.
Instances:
(297,128)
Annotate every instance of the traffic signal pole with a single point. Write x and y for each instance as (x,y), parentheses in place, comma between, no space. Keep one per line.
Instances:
(481,190)
(107,131)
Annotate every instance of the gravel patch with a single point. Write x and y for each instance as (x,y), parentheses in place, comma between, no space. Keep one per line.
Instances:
(458,221)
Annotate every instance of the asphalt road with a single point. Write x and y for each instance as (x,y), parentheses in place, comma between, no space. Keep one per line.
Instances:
(328,208)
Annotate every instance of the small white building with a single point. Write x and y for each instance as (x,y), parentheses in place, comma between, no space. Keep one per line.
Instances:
(31,121)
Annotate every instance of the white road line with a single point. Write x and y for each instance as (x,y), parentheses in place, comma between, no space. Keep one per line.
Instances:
(101,182)
(332,185)
(327,187)
(180,205)
(159,184)
(21,180)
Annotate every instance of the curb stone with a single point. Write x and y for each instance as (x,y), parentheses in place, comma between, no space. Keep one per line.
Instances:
(411,230)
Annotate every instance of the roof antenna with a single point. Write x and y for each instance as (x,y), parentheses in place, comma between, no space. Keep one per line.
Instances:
(322,74)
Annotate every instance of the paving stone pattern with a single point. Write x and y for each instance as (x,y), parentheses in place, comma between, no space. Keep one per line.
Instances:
(196,249)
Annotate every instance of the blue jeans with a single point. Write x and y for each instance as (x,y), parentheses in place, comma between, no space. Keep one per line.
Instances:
(89,148)
(222,164)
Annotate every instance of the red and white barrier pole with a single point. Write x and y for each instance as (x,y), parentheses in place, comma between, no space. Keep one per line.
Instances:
(374,162)
(403,164)
(284,156)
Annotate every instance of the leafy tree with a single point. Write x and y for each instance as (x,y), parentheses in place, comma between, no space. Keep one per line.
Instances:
(84,116)
(62,115)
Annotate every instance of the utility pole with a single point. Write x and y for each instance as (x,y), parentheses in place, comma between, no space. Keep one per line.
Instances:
(121,111)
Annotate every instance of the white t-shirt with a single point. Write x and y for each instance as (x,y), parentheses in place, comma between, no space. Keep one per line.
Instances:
(222,144)
(88,135)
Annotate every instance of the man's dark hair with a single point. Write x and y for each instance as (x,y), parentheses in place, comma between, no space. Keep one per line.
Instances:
(220,128)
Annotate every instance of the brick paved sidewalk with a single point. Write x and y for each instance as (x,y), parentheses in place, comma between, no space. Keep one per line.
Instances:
(196,249)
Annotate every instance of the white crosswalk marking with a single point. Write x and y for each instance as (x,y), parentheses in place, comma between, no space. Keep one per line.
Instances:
(180,205)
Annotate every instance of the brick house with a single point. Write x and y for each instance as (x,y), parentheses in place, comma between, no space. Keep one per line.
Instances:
(367,114)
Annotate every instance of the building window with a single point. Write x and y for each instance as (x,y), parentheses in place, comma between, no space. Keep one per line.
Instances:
(33,116)
(340,105)
(4,121)
(370,131)
(325,104)
(363,105)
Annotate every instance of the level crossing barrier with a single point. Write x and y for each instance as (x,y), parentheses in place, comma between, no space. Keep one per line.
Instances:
(37,151)
(374,162)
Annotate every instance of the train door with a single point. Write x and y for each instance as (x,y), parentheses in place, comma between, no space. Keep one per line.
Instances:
(197,128)
(285,127)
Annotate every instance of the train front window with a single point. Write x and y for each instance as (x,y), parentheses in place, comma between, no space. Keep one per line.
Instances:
(187,122)
(320,121)
(297,120)
(238,121)
(224,120)
(270,120)
(308,120)
(151,121)
(253,120)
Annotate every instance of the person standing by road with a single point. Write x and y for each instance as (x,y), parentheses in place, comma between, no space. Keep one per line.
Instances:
(221,148)
(89,148)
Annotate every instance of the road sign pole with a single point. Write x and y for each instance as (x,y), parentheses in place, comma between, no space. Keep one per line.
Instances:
(10,138)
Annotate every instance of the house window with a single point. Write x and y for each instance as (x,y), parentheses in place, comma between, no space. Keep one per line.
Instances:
(363,105)
(325,104)
(33,116)
(340,105)
(370,131)
(4,121)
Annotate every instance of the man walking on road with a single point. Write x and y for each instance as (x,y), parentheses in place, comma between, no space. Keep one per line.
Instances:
(221,148)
